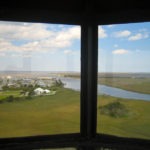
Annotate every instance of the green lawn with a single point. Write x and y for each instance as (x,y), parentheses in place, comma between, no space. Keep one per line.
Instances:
(4,94)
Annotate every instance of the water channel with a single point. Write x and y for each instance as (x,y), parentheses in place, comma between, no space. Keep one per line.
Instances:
(74,84)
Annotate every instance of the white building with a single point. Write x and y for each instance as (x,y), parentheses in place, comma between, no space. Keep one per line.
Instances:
(46,91)
(40,91)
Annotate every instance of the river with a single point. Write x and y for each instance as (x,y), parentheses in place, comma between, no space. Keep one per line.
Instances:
(74,84)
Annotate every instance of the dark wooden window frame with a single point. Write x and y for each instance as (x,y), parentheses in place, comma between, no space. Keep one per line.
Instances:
(88,137)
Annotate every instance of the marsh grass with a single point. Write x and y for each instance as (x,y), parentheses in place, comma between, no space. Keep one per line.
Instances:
(136,124)
(141,85)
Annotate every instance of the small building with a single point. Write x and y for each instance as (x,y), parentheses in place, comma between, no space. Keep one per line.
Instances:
(38,91)
(46,91)
(13,85)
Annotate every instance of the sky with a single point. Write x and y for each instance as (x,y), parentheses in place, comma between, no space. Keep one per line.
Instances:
(50,47)
(124,48)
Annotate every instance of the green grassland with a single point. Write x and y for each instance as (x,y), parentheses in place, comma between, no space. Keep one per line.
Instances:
(136,124)
(4,94)
(60,113)
(141,85)
(54,114)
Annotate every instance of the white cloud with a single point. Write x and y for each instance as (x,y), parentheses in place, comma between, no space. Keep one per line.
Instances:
(6,45)
(101,32)
(69,52)
(27,55)
(120,51)
(15,55)
(138,36)
(68,34)
(2,54)
(24,31)
(124,33)
(35,37)
(110,26)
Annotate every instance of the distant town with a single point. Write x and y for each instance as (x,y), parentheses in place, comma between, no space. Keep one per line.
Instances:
(43,79)
(24,80)
(39,82)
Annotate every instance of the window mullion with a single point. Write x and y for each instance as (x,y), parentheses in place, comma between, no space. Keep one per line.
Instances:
(89,54)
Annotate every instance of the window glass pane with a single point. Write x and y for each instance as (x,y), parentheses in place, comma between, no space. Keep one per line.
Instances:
(38,92)
(124,80)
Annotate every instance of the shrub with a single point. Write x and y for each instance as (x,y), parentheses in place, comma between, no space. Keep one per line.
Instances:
(10,98)
(1,101)
(114,109)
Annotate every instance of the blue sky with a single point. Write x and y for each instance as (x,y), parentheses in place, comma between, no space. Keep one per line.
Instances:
(50,47)
(125,48)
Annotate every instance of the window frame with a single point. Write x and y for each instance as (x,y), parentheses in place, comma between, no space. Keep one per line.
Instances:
(88,137)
